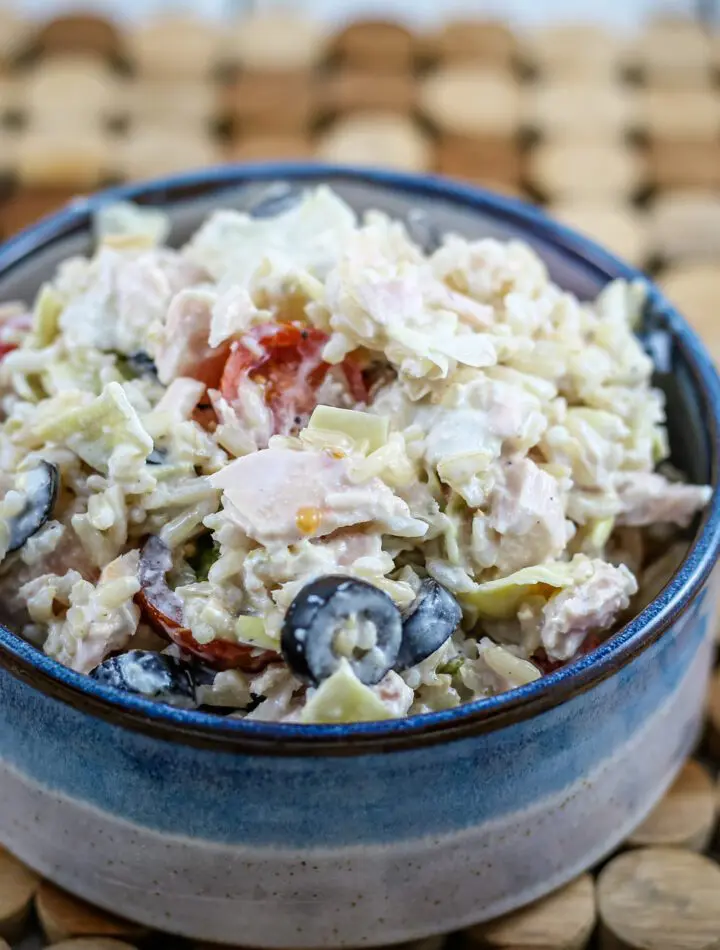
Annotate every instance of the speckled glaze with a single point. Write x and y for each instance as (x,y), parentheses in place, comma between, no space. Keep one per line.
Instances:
(328,836)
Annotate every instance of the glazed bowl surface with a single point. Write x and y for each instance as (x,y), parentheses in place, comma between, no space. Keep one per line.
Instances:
(278,835)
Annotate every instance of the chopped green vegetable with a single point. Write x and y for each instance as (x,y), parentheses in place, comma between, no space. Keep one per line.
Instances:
(204,558)
(48,307)
(500,599)
(452,666)
(252,630)
(368,432)
(343,698)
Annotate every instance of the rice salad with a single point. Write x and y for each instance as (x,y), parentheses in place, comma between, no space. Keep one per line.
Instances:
(308,468)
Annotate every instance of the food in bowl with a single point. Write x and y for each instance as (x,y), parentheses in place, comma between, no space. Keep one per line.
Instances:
(310,468)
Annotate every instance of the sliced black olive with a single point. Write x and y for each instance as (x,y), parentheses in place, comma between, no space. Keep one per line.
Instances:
(275,199)
(156,457)
(427,623)
(341,617)
(141,364)
(422,231)
(156,676)
(40,487)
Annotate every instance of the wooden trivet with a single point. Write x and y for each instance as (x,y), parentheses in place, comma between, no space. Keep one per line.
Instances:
(375,45)
(577,110)
(277,41)
(685,225)
(565,170)
(563,921)
(684,164)
(376,139)
(685,818)
(619,228)
(175,45)
(63,916)
(695,291)
(91,943)
(478,43)
(678,115)
(574,51)
(355,90)
(271,102)
(659,899)
(465,101)
(17,888)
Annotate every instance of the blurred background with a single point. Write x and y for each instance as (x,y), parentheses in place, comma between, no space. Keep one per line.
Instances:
(606,113)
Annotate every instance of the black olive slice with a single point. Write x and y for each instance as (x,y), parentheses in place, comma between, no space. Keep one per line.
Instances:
(40,487)
(432,617)
(156,676)
(339,617)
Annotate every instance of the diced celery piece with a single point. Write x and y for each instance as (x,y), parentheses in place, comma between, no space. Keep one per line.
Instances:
(500,599)
(343,698)
(367,431)
(252,630)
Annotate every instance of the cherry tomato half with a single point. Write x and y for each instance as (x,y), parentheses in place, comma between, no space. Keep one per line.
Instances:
(287,359)
(162,609)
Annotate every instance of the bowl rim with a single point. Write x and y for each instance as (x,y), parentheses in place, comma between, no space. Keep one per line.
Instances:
(205,730)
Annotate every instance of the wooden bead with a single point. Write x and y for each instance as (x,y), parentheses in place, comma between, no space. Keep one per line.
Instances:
(277,41)
(375,45)
(357,91)
(685,226)
(61,158)
(486,159)
(679,115)
(467,101)
(684,164)
(271,102)
(175,45)
(82,33)
(573,50)
(478,43)
(562,921)
(63,916)
(570,171)
(659,899)
(91,943)
(579,110)
(376,139)
(27,205)
(150,151)
(18,885)
(695,291)
(685,818)
(14,35)
(166,100)
(673,54)
(276,147)
(71,89)
(617,227)
(713,710)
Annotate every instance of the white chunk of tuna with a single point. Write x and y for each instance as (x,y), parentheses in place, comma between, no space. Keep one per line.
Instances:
(526,522)
(648,498)
(592,604)
(184,349)
(279,496)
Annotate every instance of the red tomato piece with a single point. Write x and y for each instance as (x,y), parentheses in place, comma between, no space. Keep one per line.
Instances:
(162,609)
(287,359)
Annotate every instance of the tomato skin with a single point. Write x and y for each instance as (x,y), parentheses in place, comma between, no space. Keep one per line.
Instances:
(286,358)
(162,609)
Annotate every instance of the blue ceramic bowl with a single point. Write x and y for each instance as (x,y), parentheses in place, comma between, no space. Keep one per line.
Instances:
(322,836)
